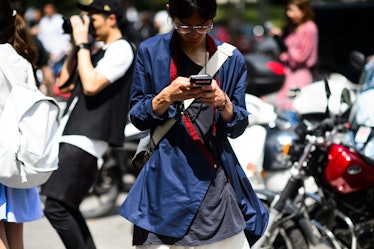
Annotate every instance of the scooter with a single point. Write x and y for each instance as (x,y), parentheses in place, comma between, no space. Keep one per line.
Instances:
(265,72)
(253,138)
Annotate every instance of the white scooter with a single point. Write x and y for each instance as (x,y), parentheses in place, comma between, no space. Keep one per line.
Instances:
(249,147)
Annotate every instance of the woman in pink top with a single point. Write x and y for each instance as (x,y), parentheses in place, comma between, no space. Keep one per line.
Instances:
(300,48)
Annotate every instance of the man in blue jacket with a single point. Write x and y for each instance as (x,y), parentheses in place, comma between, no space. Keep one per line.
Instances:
(192,192)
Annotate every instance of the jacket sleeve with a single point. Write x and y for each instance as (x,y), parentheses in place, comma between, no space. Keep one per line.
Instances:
(233,81)
(151,75)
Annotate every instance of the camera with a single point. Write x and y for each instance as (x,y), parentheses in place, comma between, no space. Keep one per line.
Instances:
(68,29)
(201,79)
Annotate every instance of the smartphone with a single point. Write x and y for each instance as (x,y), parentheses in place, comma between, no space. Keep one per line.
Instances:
(201,79)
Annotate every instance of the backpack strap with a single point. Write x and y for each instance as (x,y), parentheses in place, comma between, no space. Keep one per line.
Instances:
(11,78)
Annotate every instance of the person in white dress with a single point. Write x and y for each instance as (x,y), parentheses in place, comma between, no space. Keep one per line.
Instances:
(16,205)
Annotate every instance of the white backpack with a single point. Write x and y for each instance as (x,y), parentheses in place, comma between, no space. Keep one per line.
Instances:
(29,141)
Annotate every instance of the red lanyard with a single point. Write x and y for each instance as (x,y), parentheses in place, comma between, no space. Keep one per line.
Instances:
(189,125)
(192,131)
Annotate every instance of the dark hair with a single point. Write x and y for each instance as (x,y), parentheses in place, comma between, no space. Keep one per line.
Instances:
(23,42)
(304,7)
(7,19)
(19,6)
(206,9)
(14,30)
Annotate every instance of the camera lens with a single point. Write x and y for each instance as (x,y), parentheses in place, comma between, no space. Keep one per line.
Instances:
(68,29)
(66,26)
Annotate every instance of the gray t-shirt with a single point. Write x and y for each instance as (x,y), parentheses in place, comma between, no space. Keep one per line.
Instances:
(219,217)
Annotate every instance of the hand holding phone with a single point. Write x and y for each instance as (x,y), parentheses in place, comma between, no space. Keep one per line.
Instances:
(201,80)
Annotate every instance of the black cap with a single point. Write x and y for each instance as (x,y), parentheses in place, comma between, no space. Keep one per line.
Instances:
(103,6)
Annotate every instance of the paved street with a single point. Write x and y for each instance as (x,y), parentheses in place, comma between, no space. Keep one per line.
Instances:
(111,232)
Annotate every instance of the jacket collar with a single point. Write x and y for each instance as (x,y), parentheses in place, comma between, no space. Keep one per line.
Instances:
(212,48)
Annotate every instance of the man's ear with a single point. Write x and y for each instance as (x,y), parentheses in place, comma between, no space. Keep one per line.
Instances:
(113,19)
(167,7)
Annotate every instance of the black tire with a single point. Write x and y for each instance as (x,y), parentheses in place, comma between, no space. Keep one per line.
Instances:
(289,236)
(102,199)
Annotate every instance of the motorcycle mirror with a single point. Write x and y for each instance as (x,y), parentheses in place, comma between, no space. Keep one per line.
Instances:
(293,92)
(346,97)
(345,103)
(357,60)
(328,93)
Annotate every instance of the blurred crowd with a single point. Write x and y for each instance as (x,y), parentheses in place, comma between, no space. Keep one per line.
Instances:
(46,27)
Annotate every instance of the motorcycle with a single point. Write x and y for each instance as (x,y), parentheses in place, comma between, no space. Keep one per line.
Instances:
(309,104)
(289,223)
(339,212)
(265,72)
(271,128)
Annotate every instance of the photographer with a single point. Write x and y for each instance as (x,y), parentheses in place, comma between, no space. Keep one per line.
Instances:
(94,118)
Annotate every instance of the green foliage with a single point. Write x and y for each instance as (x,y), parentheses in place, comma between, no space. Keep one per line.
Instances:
(277,15)
(252,14)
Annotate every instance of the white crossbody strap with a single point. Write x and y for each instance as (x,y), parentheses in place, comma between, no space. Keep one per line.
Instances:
(224,51)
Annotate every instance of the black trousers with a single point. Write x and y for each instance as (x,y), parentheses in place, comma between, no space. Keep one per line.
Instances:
(65,190)
(69,224)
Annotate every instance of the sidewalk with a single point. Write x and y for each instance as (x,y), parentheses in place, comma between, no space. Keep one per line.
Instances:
(111,232)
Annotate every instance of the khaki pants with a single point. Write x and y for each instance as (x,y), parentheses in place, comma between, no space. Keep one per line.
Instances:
(238,241)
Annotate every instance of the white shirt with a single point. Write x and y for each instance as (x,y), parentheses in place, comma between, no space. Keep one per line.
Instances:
(52,36)
(115,63)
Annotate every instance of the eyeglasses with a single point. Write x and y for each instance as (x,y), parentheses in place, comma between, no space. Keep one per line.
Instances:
(184,29)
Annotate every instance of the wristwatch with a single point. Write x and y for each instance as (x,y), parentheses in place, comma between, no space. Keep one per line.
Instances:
(83,46)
